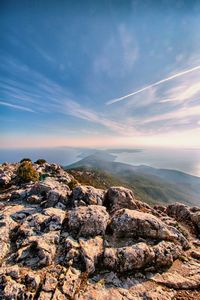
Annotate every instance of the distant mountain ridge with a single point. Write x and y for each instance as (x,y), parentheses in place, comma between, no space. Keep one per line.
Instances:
(150,184)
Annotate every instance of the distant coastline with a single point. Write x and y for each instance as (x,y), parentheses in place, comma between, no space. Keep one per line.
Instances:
(185,160)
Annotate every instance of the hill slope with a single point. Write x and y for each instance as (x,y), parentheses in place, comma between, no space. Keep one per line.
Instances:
(150,184)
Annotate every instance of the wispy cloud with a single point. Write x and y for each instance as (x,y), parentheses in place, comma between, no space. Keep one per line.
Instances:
(15,106)
(179,74)
(178,114)
(32,91)
(29,96)
(73,108)
(183,92)
(118,54)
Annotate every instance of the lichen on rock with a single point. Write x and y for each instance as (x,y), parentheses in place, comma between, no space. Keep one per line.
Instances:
(86,243)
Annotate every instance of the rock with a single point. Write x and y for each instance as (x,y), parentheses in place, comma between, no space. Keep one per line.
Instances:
(50,283)
(195,217)
(88,221)
(195,254)
(179,211)
(5,177)
(159,294)
(87,195)
(72,248)
(112,279)
(34,199)
(32,281)
(140,256)
(89,244)
(132,223)
(57,195)
(177,281)
(72,282)
(12,271)
(58,295)
(166,253)
(185,214)
(128,258)
(71,243)
(91,250)
(45,296)
(100,292)
(119,197)
(12,290)
(55,220)
(20,194)
(53,198)
(49,219)
(6,225)
(21,215)
(39,252)
(4,180)
(42,187)
(52,191)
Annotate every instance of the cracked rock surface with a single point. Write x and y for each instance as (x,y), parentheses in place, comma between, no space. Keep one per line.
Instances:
(59,242)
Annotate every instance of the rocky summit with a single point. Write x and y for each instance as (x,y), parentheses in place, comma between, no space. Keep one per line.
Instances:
(62,240)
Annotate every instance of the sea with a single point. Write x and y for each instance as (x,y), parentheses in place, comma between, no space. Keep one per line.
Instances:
(185,160)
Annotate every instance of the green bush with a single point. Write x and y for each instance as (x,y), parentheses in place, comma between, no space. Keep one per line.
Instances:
(40,161)
(26,172)
(25,159)
(73,183)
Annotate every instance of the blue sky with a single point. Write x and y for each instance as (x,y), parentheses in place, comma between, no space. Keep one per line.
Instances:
(63,63)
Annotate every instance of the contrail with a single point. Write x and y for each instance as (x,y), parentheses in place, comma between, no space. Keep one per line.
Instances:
(152,85)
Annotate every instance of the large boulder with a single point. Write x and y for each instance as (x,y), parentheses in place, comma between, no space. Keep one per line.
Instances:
(141,255)
(185,214)
(166,253)
(179,211)
(119,197)
(87,195)
(126,222)
(88,220)
(128,258)
(195,217)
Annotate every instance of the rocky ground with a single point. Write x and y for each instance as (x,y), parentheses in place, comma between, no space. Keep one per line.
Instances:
(61,240)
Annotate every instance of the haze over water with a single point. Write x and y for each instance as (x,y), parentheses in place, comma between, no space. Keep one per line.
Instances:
(185,160)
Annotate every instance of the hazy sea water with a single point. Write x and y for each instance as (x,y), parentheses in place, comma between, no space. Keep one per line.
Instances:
(63,156)
(186,160)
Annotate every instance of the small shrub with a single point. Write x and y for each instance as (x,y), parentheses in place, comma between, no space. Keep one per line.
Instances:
(25,159)
(73,183)
(44,176)
(40,161)
(26,172)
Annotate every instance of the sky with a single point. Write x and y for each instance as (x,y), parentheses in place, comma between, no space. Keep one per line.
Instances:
(100,73)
